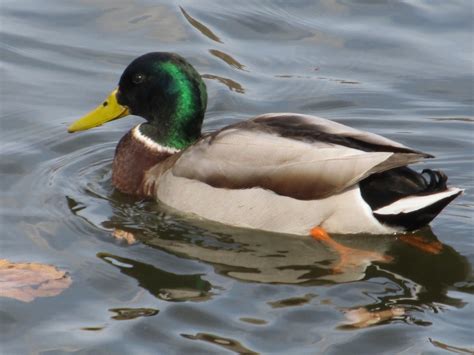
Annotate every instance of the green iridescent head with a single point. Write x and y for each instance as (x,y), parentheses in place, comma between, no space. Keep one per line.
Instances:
(162,88)
(169,93)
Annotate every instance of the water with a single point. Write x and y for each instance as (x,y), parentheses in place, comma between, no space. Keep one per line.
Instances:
(403,69)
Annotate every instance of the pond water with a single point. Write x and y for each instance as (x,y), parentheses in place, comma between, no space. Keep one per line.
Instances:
(403,69)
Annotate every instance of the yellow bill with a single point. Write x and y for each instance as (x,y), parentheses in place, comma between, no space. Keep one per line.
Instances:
(109,110)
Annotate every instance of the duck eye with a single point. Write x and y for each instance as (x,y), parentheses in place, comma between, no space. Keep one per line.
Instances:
(138,78)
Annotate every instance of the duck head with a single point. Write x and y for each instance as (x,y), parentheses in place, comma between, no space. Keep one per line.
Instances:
(162,88)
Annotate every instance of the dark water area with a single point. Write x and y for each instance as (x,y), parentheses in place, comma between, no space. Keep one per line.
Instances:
(403,69)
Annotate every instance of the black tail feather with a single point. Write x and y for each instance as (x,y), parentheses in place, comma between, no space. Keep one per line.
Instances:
(384,188)
(437,180)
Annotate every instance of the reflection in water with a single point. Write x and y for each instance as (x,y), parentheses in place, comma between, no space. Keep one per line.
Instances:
(321,78)
(419,276)
(226,343)
(200,27)
(450,348)
(288,76)
(124,236)
(417,279)
(363,318)
(227,58)
(93,329)
(254,321)
(231,84)
(271,258)
(132,313)
(74,206)
(156,21)
(415,87)
(291,302)
(324,39)
(162,284)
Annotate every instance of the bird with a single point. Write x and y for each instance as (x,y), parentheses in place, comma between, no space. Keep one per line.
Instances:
(277,172)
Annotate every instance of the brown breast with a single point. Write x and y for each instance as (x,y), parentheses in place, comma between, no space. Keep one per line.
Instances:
(131,162)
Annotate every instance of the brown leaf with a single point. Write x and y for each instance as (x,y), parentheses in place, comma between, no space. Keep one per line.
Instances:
(27,281)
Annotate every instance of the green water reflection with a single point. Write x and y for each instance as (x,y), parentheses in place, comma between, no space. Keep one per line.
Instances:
(162,284)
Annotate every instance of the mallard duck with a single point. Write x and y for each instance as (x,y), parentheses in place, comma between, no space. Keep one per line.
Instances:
(278,172)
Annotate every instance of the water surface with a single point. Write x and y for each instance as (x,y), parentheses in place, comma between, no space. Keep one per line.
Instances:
(403,69)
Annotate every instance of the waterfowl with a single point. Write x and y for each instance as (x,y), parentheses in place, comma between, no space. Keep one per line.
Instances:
(278,172)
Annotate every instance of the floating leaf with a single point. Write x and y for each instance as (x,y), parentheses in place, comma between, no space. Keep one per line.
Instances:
(27,281)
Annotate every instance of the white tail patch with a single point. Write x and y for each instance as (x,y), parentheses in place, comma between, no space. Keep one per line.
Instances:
(414,203)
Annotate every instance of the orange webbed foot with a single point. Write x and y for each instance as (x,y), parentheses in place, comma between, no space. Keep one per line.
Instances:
(348,257)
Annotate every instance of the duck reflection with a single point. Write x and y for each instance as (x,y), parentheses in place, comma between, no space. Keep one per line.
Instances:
(272,258)
(162,284)
(418,269)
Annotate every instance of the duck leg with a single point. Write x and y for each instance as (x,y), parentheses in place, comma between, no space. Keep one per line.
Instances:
(348,257)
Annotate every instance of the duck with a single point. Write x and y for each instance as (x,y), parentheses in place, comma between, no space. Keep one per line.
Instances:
(287,173)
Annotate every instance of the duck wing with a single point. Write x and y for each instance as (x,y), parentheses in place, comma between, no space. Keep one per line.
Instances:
(300,156)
